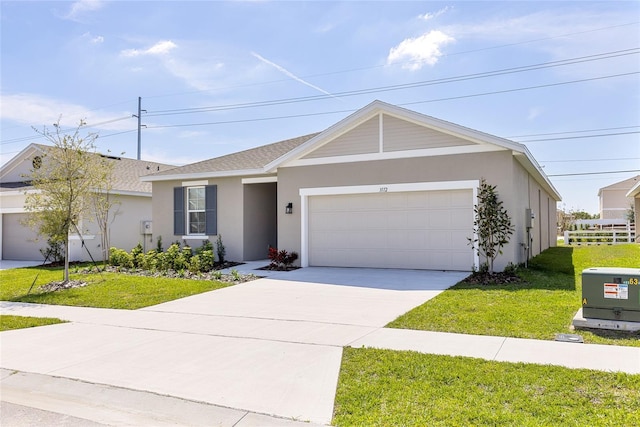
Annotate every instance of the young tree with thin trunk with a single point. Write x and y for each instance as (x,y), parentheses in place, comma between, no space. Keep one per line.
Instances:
(492,224)
(103,204)
(65,180)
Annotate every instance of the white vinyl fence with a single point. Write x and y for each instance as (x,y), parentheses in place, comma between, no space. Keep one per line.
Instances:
(600,237)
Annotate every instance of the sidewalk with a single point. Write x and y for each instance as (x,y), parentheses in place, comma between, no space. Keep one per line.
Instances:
(270,346)
(503,349)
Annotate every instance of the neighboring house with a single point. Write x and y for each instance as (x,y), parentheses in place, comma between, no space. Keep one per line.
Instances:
(614,202)
(133,197)
(385,187)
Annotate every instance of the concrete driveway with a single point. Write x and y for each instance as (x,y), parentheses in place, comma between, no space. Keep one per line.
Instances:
(270,346)
(6,264)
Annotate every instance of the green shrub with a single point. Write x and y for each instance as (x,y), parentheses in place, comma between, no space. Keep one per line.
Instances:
(149,261)
(202,262)
(195,265)
(220,249)
(206,246)
(135,252)
(120,258)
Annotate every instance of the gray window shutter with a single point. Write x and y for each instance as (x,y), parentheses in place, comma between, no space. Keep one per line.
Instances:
(211,209)
(178,211)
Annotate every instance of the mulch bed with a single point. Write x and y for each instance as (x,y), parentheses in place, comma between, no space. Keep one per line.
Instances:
(493,278)
(60,286)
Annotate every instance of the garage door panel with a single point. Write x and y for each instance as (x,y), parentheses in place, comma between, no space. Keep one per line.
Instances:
(460,217)
(19,242)
(439,218)
(460,242)
(461,198)
(423,229)
(417,200)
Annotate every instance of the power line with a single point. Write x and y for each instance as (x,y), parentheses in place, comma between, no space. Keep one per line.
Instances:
(606,55)
(570,61)
(573,131)
(408,62)
(62,131)
(580,136)
(402,104)
(593,173)
(589,160)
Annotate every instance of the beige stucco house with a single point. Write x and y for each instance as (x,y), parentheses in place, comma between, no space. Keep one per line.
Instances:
(131,210)
(385,187)
(614,202)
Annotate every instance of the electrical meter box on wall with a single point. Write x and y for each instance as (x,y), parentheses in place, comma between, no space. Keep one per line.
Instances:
(611,293)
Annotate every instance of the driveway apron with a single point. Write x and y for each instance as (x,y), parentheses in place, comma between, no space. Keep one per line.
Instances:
(271,346)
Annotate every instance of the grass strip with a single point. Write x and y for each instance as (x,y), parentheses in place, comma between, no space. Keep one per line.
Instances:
(106,290)
(8,322)
(539,308)
(403,388)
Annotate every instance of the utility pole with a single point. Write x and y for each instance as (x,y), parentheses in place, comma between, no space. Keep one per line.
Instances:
(139,116)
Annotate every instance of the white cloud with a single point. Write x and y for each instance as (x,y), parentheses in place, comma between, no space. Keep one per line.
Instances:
(575,33)
(93,39)
(534,113)
(428,16)
(191,134)
(78,8)
(289,74)
(163,47)
(38,111)
(416,52)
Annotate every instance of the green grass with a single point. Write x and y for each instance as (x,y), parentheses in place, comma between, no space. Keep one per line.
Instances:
(8,323)
(401,388)
(106,290)
(538,309)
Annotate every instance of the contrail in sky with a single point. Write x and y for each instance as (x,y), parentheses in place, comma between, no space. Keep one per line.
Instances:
(290,74)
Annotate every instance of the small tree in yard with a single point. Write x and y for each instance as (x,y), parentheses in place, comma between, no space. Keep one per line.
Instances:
(492,224)
(102,203)
(66,181)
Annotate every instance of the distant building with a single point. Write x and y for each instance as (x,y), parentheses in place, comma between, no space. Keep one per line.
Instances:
(614,199)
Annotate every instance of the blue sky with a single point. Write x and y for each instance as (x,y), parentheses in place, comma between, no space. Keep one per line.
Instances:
(218,77)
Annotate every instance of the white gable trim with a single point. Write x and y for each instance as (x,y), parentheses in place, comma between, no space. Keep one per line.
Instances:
(428,152)
(15,161)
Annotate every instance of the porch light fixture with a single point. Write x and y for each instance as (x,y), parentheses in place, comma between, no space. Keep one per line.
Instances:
(289,208)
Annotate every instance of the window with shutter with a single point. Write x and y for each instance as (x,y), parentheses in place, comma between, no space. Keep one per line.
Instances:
(195,210)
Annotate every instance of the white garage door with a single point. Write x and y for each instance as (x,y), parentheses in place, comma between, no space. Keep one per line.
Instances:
(414,230)
(19,241)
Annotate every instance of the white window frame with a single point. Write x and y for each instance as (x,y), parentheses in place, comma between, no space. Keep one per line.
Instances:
(188,211)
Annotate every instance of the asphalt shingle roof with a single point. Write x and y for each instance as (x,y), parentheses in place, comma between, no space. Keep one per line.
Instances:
(254,158)
(126,173)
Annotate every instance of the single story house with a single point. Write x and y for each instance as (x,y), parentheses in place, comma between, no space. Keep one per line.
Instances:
(614,201)
(130,214)
(385,187)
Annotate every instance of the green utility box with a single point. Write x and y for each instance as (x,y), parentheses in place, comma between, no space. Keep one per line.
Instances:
(611,293)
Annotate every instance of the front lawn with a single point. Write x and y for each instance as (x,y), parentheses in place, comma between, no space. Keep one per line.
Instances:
(539,308)
(8,323)
(402,388)
(106,290)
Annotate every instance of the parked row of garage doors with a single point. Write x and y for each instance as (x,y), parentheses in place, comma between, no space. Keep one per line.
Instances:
(414,230)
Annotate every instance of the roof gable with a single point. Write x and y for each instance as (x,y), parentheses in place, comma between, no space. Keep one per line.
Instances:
(418,131)
(377,131)
(625,185)
(126,172)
